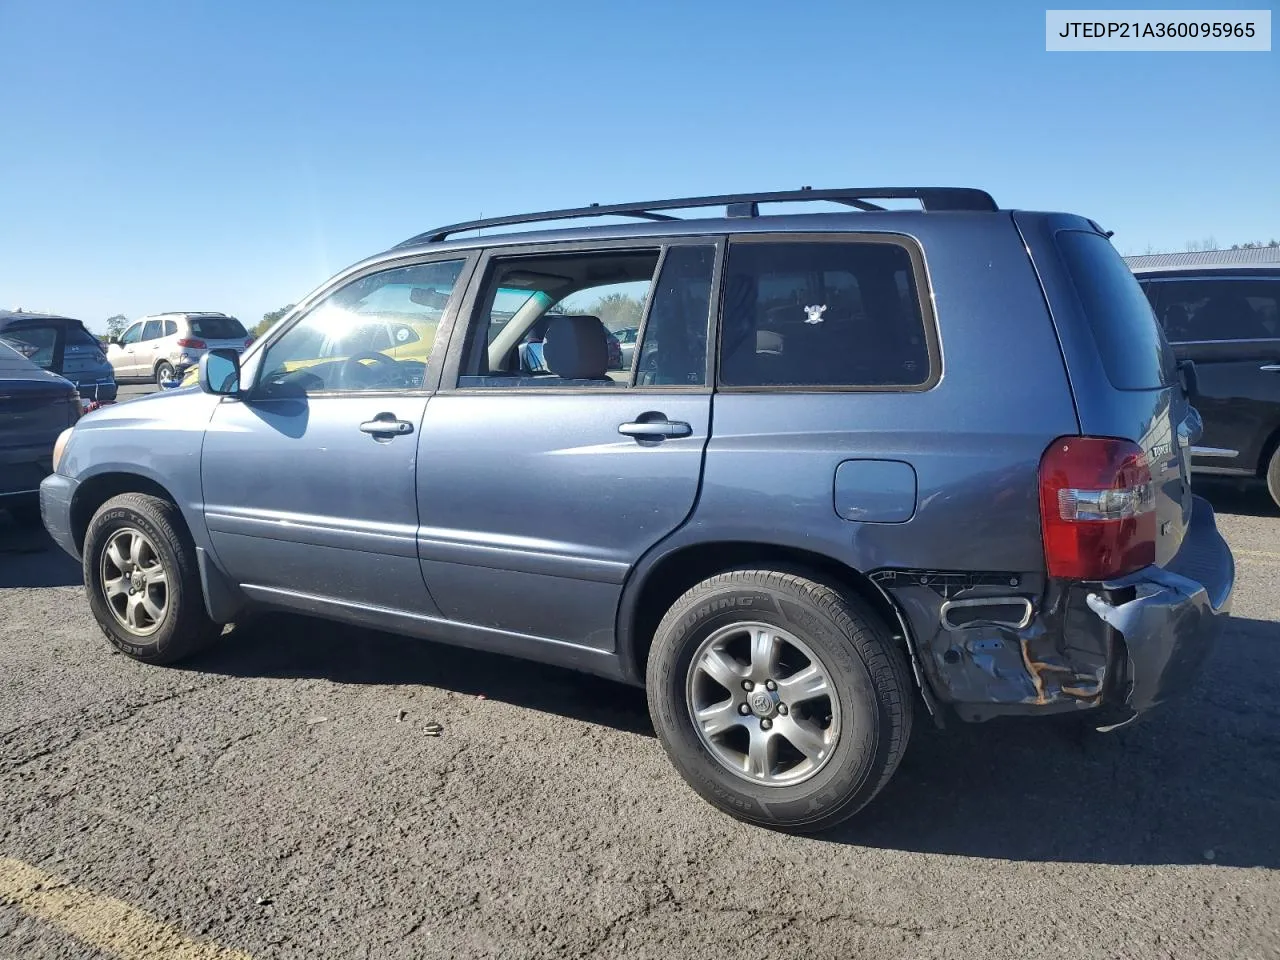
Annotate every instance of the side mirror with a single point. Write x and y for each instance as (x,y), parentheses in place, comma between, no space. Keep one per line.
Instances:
(113,341)
(220,372)
(1187,377)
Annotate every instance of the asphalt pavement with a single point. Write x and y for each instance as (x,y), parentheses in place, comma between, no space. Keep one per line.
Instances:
(282,796)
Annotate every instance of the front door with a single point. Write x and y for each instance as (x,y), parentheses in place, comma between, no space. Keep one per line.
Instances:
(123,355)
(310,477)
(1230,328)
(542,483)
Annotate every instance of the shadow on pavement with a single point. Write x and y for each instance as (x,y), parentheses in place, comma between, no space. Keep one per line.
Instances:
(28,558)
(283,645)
(1248,498)
(1194,783)
(1196,780)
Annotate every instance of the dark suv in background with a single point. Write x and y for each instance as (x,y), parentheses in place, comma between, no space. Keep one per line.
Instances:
(63,346)
(1226,318)
(855,455)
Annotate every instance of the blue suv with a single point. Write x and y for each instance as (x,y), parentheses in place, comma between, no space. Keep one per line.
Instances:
(858,457)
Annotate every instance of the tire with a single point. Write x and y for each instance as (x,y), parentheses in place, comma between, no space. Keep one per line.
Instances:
(164,371)
(23,511)
(182,627)
(1273,477)
(868,710)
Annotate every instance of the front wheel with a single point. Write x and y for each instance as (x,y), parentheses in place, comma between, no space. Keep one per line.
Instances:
(164,372)
(142,580)
(779,700)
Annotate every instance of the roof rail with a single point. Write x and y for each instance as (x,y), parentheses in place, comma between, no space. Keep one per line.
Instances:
(736,205)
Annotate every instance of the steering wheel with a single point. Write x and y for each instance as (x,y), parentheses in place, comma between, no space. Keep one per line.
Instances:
(354,373)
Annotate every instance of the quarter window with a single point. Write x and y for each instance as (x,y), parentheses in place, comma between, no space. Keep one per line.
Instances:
(822,314)
(37,344)
(375,333)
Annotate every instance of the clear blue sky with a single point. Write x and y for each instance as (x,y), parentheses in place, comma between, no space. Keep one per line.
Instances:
(232,155)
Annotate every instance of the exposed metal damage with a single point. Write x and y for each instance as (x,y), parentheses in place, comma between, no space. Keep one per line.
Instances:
(995,643)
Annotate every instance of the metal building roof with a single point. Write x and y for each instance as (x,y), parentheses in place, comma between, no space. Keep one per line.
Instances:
(1205,258)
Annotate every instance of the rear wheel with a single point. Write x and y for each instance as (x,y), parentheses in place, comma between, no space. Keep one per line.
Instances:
(1273,476)
(779,700)
(164,371)
(142,580)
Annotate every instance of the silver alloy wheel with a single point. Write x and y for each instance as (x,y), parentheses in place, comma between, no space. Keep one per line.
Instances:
(135,583)
(763,704)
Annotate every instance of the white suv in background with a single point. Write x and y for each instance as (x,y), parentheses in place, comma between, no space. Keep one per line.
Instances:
(158,347)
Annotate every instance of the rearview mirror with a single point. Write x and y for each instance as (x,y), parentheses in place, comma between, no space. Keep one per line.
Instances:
(220,372)
(426,297)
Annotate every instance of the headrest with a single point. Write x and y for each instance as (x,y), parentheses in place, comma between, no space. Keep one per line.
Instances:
(577,348)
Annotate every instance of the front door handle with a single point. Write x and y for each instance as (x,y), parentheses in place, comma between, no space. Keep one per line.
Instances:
(386,425)
(1270,368)
(655,429)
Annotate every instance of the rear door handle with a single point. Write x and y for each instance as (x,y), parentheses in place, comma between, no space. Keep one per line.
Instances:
(1270,368)
(386,425)
(655,429)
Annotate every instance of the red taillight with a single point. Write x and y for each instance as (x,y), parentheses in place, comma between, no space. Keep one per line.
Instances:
(191,344)
(1097,508)
(248,342)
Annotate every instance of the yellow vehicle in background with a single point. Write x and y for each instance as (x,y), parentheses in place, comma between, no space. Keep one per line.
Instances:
(396,320)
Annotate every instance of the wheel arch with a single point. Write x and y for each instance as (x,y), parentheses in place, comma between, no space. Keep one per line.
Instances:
(1269,447)
(92,492)
(659,580)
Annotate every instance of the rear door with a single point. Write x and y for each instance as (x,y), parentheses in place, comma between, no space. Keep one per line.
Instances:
(538,492)
(1227,325)
(1123,373)
(35,406)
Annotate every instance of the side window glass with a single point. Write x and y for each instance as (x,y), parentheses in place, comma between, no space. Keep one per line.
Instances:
(37,344)
(170,328)
(830,314)
(674,351)
(1197,311)
(133,334)
(557,321)
(345,342)
(152,330)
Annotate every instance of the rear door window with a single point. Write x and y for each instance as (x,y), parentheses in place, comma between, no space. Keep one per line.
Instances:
(1219,309)
(1134,351)
(838,313)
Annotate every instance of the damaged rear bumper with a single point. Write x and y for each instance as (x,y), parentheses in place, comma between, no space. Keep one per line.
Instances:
(1168,619)
(1115,649)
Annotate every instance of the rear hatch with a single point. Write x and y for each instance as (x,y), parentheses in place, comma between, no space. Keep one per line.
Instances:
(219,332)
(1123,374)
(82,354)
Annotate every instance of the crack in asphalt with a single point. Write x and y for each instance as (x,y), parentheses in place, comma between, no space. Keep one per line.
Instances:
(87,729)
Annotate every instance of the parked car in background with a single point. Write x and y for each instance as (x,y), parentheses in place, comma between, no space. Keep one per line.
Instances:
(63,346)
(1226,319)
(626,338)
(35,407)
(156,347)
(970,479)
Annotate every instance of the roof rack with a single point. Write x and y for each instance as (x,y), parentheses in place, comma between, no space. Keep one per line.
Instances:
(736,205)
